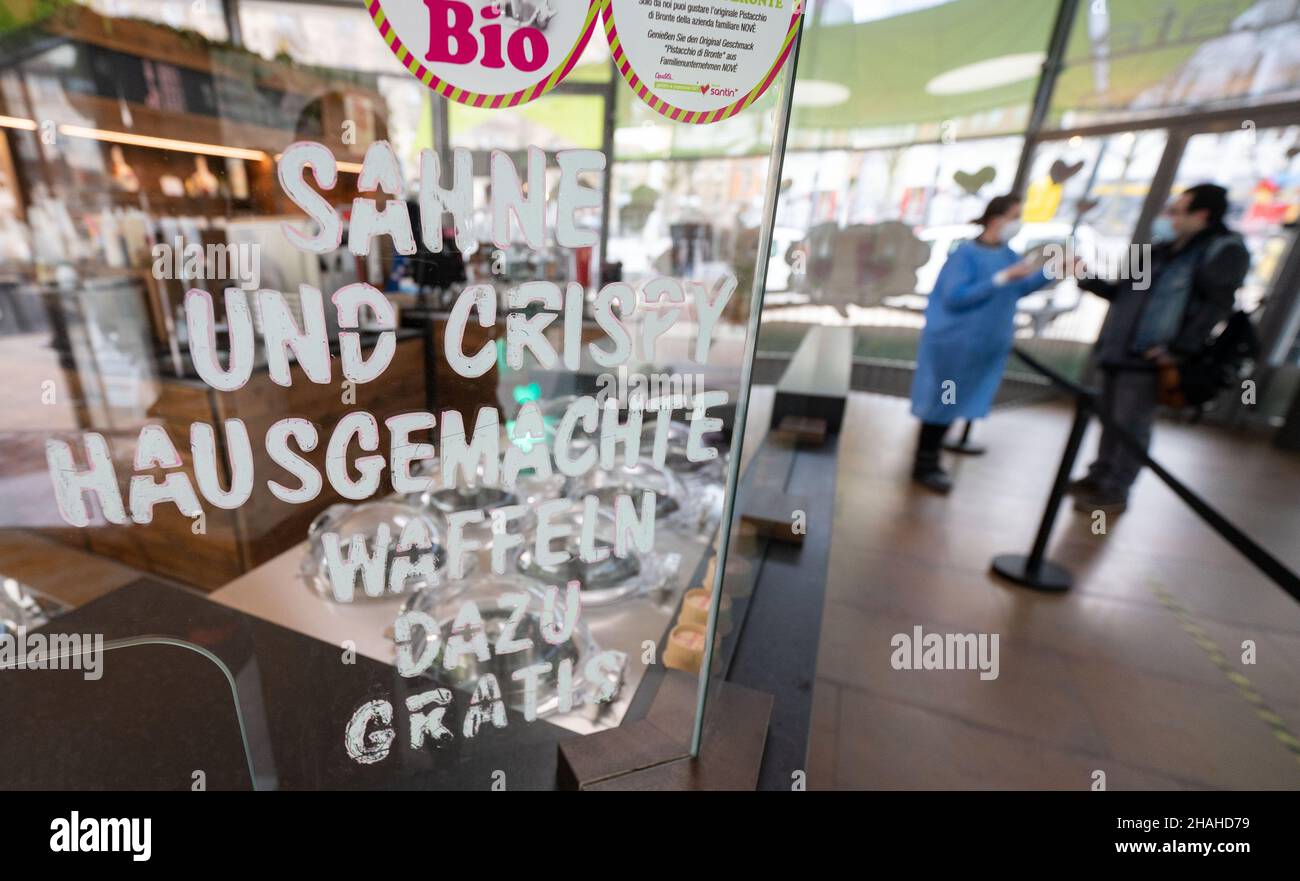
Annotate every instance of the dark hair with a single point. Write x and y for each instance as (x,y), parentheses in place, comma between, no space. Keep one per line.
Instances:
(997,206)
(1208,197)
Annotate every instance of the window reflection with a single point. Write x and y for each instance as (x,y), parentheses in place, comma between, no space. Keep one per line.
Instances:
(205,18)
(1129,58)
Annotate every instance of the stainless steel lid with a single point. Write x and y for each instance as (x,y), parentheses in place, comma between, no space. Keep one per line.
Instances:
(602,581)
(633,480)
(480,494)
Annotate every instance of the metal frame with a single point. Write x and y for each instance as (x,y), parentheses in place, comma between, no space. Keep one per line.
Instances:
(230,12)
(1052,67)
(772,194)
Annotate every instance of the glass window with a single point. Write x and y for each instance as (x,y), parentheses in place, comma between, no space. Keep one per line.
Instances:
(1130,59)
(871,229)
(1088,191)
(875,74)
(1261,171)
(339,36)
(205,17)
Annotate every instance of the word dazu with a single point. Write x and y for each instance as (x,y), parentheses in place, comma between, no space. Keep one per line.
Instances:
(370,735)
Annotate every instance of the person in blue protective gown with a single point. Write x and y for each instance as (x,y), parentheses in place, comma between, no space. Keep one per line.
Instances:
(969,324)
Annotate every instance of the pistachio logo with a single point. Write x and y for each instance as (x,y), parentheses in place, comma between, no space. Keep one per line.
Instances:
(487,53)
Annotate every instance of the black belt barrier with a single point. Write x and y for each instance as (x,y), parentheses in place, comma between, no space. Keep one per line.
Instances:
(1034,570)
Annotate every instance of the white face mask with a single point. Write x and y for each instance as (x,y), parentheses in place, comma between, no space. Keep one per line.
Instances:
(1010,230)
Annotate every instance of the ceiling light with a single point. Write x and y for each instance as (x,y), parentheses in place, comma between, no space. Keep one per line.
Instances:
(819,93)
(350,167)
(112,137)
(17,122)
(987,74)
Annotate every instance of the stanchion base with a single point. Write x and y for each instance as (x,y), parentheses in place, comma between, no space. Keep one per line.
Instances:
(1049,576)
(965,448)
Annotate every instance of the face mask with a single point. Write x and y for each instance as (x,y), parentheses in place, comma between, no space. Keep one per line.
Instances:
(1162,229)
(1011,230)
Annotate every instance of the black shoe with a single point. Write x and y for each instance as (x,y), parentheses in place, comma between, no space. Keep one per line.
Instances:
(934,479)
(927,471)
(1084,486)
(1109,503)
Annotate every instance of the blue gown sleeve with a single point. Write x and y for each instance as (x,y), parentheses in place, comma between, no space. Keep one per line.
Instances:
(958,284)
(961,285)
(1029,283)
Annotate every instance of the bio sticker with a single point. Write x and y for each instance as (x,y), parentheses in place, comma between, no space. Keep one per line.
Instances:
(488,53)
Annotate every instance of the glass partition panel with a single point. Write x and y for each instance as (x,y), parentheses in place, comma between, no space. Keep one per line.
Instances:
(432,484)
(130,714)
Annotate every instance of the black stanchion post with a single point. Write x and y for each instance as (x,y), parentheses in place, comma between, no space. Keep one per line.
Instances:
(964,445)
(1033,570)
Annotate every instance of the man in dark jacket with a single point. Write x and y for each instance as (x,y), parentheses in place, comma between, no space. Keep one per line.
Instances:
(1197,264)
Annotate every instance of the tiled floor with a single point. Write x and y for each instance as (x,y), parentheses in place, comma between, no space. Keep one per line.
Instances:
(1103,678)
